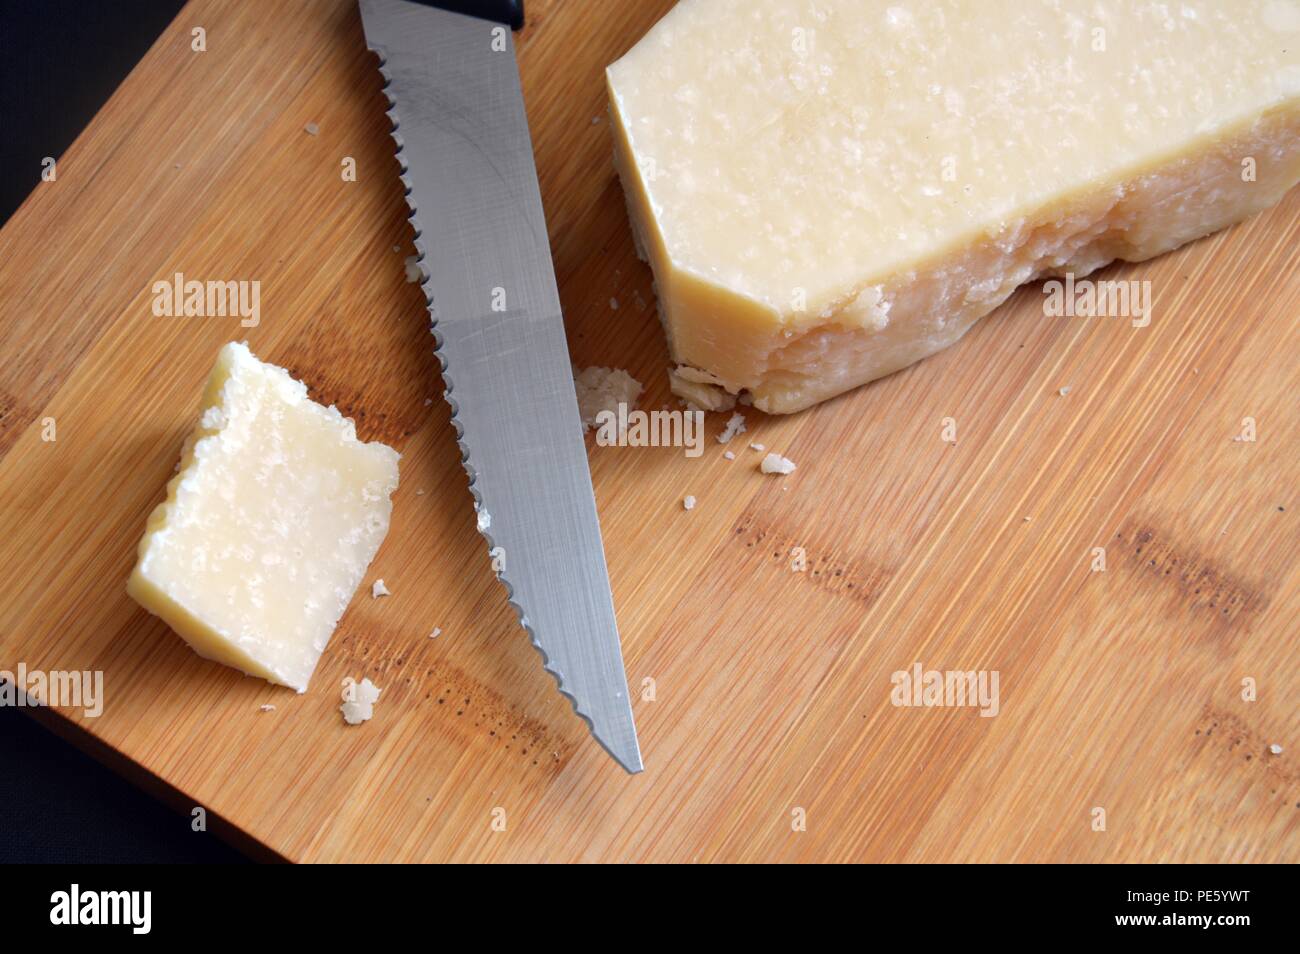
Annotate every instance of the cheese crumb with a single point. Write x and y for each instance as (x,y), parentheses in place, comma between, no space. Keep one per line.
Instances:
(361,706)
(436,633)
(1064,391)
(1275,749)
(378,589)
(266,707)
(735,426)
(688,502)
(776,464)
(603,389)
(729,455)
(311,129)
(758,447)
(413,273)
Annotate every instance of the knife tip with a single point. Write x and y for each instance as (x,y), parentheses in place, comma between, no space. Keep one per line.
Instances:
(633,766)
(626,753)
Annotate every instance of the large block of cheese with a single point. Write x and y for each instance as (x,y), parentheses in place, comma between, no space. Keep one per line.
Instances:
(829,190)
(269,525)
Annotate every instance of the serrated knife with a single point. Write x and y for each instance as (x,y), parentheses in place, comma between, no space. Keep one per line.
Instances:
(467,162)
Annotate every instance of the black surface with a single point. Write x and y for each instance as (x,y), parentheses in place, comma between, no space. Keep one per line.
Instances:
(58,805)
(60,60)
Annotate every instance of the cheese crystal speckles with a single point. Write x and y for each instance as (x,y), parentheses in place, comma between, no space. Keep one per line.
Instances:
(829,191)
(268,527)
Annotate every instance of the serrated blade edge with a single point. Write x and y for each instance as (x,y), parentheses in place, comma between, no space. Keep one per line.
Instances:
(513,360)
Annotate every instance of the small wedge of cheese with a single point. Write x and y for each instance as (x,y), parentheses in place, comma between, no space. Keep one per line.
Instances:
(269,525)
(830,190)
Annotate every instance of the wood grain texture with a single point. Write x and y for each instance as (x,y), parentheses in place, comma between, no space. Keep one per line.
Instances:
(1119,689)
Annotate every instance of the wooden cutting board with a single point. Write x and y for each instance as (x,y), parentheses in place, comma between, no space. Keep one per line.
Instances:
(762,693)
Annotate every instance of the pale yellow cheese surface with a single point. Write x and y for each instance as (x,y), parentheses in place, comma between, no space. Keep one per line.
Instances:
(828,190)
(269,525)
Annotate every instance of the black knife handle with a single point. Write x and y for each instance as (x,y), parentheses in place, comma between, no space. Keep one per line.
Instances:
(509,12)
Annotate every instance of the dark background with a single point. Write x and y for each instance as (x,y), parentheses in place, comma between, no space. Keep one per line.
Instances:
(60,60)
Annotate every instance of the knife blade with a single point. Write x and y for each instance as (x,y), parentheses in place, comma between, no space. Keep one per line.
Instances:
(466,157)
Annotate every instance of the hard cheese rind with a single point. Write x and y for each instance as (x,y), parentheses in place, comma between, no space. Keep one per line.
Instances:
(269,525)
(828,191)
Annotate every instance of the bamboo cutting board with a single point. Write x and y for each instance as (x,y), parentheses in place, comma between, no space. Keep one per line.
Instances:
(762,693)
